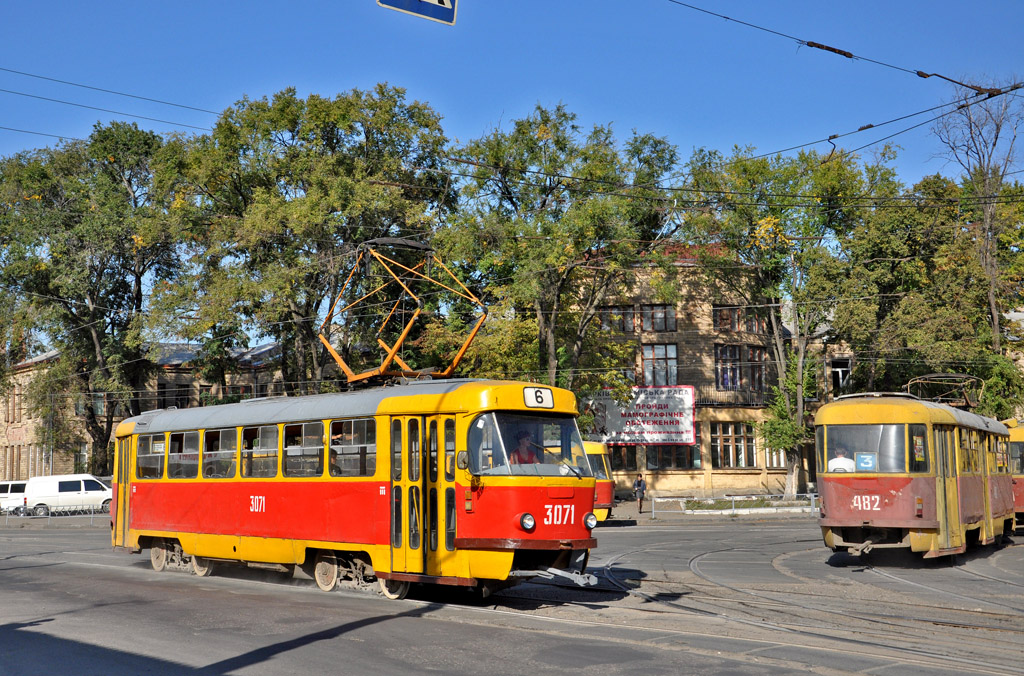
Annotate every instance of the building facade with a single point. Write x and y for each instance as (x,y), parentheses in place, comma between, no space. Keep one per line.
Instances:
(26,445)
(722,350)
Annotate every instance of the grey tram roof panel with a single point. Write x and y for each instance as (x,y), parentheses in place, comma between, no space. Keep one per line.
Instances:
(287,409)
(965,418)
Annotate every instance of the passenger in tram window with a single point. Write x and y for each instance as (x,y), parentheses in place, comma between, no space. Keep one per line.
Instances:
(524,453)
(841,463)
(333,467)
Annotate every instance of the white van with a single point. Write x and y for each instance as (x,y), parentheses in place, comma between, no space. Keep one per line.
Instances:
(66,493)
(12,495)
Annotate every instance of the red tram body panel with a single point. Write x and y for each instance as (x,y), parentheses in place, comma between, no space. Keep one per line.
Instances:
(900,472)
(476,483)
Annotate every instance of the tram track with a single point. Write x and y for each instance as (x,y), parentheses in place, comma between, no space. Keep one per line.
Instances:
(869,639)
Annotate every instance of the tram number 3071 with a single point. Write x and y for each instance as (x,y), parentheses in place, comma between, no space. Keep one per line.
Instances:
(866,503)
(558,515)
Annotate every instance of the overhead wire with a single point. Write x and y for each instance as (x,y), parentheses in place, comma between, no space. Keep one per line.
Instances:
(103,110)
(842,52)
(108,91)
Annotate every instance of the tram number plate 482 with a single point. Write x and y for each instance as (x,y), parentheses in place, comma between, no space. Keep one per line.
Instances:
(866,503)
(559,515)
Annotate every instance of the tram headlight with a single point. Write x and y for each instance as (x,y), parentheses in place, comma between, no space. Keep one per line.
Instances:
(527,522)
(590,521)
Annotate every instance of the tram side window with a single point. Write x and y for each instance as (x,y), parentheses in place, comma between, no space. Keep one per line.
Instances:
(259,451)
(149,460)
(219,450)
(1017,457)
(304,449)
(183,455)
(449,449)
(396,451)
(432,450)
(485,452)
(970,451)
(918,461)
(353,447)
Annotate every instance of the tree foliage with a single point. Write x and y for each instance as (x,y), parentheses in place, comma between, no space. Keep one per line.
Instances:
(277,198)
(554,224)
(87,234)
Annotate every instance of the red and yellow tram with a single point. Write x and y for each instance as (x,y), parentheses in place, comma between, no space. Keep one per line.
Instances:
(604,489)
(417,483)
(901,472)
(1017,466)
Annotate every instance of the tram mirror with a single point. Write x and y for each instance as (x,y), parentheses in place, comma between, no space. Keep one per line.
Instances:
(462,459)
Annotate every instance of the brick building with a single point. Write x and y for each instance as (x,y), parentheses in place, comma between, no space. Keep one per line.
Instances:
(26,449)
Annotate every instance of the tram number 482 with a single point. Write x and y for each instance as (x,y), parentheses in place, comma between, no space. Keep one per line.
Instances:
(866,503)
(558,515)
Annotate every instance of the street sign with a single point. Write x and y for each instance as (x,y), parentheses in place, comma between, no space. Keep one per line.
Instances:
(435,10)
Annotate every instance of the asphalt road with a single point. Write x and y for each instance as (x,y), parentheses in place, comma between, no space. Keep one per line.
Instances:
(694,596)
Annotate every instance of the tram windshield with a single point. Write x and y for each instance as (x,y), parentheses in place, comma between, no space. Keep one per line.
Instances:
(531,445)
(866,448)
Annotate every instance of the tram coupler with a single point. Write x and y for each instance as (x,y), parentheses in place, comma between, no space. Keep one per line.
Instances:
(581,579)
(862,548)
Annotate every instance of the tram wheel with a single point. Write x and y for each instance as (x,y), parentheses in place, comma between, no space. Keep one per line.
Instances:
(158,555)
(393,589)
(201,566)
(325,571)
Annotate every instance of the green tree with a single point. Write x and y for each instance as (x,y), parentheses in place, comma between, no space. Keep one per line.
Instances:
(88,235)
(980,135)
(276,199)
(554,225)
(768,236)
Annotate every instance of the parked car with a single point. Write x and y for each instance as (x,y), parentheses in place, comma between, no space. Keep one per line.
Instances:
(66,492)
(12,496)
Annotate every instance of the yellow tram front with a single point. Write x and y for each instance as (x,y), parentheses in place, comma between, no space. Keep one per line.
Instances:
(899,472)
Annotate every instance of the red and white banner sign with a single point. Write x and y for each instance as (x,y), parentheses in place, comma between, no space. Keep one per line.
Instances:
(657,415)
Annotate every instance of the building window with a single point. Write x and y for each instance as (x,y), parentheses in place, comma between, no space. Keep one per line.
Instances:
(617,318)
(182,396)
(726,318)
(756,358)
(660,366)
(623,458)
(840,371)
(755,322)
(240,391)
(732,445)
(727,367)
(776,458)
(658,318)
(675,456)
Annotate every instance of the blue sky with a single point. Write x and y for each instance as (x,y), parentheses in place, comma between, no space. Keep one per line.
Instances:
(651,65)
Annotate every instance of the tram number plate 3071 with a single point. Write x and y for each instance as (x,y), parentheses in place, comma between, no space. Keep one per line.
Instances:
(866,503)
(559,515)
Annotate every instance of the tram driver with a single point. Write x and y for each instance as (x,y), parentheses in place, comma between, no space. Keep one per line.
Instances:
(840,462)
(523,454)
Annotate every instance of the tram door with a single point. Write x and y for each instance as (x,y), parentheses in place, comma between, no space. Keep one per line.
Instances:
(123,461)
(439,493)
(407,483)
(947,503)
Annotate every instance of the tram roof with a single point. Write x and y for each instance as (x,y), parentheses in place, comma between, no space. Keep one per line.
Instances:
(360,403)
(933,410)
